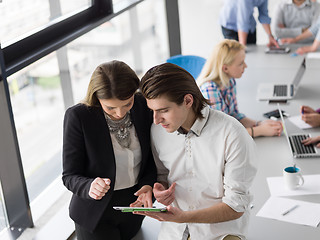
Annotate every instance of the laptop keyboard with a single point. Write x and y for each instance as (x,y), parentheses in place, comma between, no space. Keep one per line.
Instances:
(301,149)
(280,90)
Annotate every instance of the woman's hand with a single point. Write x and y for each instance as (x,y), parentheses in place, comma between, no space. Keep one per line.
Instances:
(269,128)
(99,187)
(312,119)
(287,40)
(144,199)
(305,49)
(306,109)
(312,141)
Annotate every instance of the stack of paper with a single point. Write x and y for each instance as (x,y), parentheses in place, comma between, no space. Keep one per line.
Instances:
(296,120)
(290,210)
(305,213)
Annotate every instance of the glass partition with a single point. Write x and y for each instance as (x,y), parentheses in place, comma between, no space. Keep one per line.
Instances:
(38,109)
(19,17)
(115,40)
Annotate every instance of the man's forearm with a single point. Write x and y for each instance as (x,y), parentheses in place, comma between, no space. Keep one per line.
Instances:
(242,37)
(315,45)
(220,212)
(302,36)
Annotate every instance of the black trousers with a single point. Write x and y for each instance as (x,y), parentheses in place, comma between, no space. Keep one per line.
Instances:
(114,224)
(230,34)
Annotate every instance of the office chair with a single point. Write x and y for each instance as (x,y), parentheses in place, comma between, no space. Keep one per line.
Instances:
(193,64)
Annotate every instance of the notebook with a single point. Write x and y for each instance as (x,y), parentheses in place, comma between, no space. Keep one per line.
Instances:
(281,91)
(297,149)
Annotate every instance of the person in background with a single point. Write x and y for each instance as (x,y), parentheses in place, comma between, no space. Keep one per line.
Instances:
(293,17)
(205,160)
(237,21)
(217,84)
(107,158)
(312,31)
(310,116)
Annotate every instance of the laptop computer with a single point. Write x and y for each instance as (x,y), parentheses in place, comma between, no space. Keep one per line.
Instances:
(281,91)
(298,149)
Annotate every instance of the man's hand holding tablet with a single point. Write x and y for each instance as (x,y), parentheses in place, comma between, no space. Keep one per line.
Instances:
(141,209)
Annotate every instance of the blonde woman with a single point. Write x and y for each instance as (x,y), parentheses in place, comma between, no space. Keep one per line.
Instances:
(217,84)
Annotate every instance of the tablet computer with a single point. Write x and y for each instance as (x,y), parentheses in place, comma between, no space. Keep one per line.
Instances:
(277,50)
(141,209)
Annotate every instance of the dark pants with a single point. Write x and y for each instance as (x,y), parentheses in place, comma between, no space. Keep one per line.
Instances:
(114,224)
(230,34)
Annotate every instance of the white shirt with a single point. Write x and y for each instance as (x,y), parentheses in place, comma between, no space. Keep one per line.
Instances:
(213,163)
(128,161)
(295,18)
(314,29)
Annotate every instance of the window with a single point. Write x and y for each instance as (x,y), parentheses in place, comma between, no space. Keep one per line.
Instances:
(43,81)
(115,40)
(38,110)
(19,17)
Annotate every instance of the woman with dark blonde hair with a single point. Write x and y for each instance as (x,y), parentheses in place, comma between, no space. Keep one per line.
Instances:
(107,159)
(217,84)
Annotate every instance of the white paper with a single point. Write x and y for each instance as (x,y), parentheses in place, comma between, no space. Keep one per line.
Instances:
(314,55)
(305,214)
(296,120)
(311,186)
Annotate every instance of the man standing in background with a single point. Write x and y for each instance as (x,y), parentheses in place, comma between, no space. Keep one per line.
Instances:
(237,21)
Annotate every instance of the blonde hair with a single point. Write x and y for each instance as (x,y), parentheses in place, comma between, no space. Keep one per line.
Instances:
(223,54)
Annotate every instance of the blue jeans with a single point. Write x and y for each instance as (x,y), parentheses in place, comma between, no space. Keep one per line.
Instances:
(230,34)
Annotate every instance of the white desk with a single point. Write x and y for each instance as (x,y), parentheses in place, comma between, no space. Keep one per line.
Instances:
(273,152)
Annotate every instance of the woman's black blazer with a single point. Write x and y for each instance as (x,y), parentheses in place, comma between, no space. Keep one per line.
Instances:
(88,153)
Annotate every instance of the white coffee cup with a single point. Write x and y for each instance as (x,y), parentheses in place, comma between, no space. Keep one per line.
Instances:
(292,178)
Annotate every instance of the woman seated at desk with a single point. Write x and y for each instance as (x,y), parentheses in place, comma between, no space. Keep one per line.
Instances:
(217,83)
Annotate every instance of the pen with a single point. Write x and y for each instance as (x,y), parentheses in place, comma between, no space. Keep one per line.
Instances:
(302,110)
(290,210)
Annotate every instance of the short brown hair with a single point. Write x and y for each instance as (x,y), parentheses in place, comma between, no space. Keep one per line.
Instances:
(113,79)
(174,82)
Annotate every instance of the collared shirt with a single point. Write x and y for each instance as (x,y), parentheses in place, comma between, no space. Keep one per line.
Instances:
(294,18)
(238,14)
(212,163)
(223,99)
(314,29)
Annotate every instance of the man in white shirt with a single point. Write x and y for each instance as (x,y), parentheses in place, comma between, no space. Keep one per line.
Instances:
(293,17)
(205,160)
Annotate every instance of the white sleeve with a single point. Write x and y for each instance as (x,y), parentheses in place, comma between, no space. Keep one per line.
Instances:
(240,169)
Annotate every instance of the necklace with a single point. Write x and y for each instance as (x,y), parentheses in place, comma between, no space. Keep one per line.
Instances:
(120,129)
